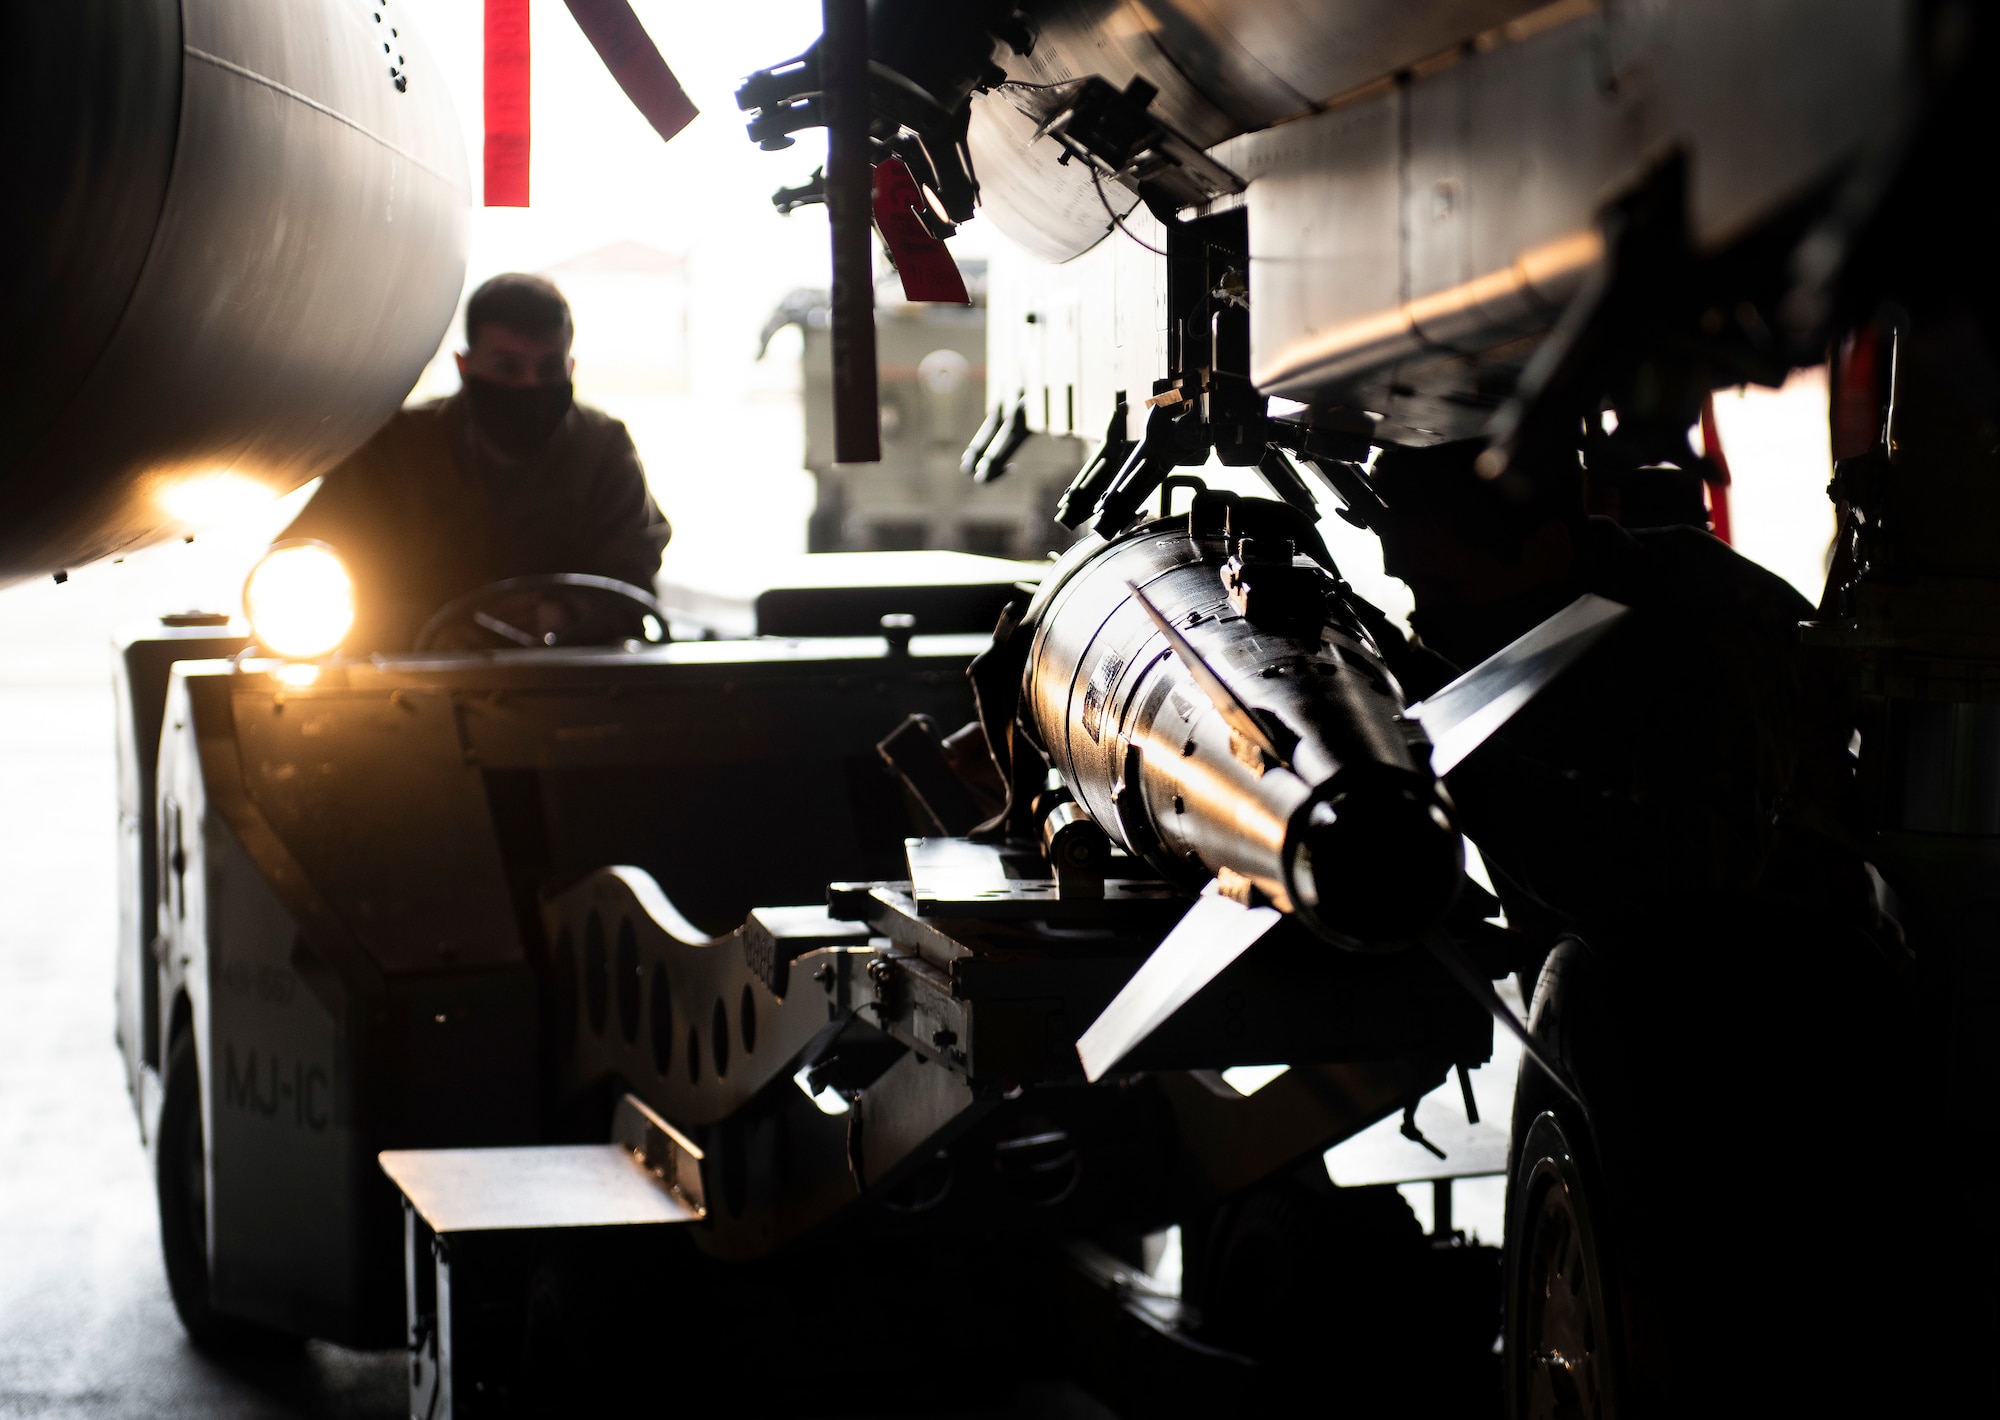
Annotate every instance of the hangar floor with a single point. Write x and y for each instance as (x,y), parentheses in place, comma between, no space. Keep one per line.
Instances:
(86,1329)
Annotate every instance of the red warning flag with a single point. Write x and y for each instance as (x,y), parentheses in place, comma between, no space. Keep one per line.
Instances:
(506,103)
(629,53)
(924,262)
(1858,394)
(1718,477)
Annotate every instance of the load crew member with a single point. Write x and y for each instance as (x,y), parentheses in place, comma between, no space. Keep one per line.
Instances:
(1677,800)
(1690,758)
(507,478)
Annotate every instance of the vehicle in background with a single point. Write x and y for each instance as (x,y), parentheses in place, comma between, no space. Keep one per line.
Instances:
(935,398)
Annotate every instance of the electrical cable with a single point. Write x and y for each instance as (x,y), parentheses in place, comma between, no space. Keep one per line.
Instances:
(1110,211)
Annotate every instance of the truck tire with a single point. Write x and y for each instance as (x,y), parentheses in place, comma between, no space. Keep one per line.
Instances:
(1568,1335)
(1562,1346)
(1714,1195)
(181,1185)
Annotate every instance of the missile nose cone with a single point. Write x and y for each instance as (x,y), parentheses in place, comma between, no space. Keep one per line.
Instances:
(1379,865)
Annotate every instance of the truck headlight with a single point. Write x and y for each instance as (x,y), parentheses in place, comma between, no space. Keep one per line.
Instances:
(300,600)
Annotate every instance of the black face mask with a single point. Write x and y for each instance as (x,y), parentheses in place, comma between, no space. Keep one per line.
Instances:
(518,422)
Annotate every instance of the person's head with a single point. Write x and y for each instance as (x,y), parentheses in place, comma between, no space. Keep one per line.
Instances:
(1458,539)
(517,333)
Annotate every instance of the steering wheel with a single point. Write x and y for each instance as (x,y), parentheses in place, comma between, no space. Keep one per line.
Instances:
(546,609)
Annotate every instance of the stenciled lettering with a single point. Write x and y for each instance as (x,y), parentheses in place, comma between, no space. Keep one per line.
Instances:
(264,1085)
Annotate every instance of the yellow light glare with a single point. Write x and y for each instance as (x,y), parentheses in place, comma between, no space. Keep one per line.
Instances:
(204,499)
(300,600)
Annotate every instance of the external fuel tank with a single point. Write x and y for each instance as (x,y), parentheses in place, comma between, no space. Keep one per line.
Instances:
(234,236)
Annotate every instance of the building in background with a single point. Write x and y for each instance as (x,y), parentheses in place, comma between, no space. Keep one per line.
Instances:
(630,303)
(934,397)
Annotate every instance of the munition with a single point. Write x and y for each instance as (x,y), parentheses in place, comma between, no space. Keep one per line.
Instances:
(1269,751)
